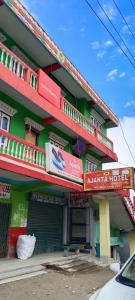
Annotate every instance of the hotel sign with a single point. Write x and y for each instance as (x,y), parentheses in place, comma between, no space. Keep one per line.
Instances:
(121,178)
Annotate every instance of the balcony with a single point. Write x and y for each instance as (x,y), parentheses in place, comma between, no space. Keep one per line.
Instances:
(20,157)
(16,66)
(23,84)
(19,149)
(75,115)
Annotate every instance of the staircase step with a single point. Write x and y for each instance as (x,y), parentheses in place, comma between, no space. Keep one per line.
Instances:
(21,271)
(24,276)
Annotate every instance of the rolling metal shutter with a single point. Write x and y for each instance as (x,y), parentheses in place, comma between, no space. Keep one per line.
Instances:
(45,221)
(4,223)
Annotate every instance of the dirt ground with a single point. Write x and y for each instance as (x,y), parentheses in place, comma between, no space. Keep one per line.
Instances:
(55,286)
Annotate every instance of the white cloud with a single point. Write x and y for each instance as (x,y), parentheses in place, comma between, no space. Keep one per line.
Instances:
(108,43)
(65,28)
(120,146)
(123,74)
(112,74)
(101,54)
(95,45)
(130,103)
(110,11)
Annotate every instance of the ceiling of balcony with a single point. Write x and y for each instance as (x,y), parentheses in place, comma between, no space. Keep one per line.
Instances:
(13,26)
(119,215)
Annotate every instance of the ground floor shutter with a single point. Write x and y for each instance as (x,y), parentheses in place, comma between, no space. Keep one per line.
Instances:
(45,221)
(4,224)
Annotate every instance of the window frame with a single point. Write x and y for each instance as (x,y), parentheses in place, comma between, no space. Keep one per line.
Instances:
(56,144)
(92,164)
(4,140)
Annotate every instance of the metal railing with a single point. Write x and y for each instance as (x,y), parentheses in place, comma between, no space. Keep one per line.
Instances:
(75,115)
(17,66)
(20,149)
(104,140)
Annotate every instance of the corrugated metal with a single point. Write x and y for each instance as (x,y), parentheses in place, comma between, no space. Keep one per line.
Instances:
(4,223)
(45,221)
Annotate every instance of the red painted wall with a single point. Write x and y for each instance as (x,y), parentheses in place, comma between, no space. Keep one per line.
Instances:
(13,234)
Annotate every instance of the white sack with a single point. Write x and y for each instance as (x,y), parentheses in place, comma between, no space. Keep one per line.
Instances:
(25,246)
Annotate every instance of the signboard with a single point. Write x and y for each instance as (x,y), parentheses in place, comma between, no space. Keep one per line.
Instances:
(5,190)
(78,199)
(48,89)
(121,178)
(44,198)
(63,164)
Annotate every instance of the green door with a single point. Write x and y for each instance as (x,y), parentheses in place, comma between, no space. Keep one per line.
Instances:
(4,224)
(45,221)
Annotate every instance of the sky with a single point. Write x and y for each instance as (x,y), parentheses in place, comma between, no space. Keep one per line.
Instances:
(79,34)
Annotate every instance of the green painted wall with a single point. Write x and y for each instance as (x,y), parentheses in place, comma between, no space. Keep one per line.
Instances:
(19,209)
(114,235)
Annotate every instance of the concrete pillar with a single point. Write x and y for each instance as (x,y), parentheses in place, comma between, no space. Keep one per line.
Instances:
(104,217)
(131,239)
(65,224)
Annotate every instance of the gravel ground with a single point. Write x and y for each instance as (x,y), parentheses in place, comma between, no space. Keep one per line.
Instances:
(55,286)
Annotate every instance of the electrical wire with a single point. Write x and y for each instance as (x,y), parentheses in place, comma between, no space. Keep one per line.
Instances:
(115,30)
(127,143)
(132,4)
(112,36)
(122,16)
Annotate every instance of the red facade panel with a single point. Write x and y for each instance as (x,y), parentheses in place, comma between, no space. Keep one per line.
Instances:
(48,89)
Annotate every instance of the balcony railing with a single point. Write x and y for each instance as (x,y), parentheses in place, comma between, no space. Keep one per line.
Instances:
(21,150)
(75,115)
(104,140)
(16,66)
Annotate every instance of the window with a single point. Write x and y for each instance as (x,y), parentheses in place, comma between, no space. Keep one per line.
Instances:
(127,276)
(4,125)
(90,166)
(95,122)
(56,144)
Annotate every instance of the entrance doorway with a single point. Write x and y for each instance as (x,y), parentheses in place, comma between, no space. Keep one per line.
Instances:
(78,225)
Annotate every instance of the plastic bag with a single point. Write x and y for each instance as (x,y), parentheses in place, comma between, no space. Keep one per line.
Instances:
(25,246)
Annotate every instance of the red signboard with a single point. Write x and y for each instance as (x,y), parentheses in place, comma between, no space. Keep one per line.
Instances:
(48,89)
(63,164)
(122,178)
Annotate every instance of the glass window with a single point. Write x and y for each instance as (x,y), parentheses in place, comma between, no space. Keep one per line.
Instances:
(127,276)
(95,122)
(90,166)
(55,143)
(4,125)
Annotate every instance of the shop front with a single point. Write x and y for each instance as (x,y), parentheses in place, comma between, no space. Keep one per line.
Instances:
(45,221)
(5,210)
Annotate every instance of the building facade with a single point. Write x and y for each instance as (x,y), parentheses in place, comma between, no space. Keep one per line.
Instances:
(49,116)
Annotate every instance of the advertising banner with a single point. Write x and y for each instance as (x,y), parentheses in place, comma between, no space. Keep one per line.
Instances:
(121,178)
(48,89)
(63,164)
(5,190)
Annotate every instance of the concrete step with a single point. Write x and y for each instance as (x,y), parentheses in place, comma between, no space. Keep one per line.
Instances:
(74,265)
(24,276)
(21,271)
